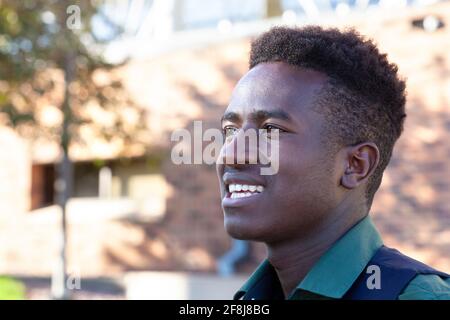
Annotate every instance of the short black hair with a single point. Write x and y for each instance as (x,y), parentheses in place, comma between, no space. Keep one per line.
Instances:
(364,97)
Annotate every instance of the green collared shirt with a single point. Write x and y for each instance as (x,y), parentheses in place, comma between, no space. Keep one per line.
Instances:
(340,266)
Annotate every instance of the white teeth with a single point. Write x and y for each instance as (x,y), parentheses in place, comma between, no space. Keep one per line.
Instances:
(236,195)
(247,190)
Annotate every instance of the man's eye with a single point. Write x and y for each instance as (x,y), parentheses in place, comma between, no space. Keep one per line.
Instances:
(229,131)
(271,127)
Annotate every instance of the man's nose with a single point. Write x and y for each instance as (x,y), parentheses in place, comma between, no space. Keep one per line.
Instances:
(241,149)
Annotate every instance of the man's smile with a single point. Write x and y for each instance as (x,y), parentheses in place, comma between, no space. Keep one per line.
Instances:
(241,188)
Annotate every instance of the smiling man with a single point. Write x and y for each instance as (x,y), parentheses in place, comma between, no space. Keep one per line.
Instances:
(338,106)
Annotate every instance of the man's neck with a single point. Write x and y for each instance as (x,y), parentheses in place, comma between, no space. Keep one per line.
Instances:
(293,259)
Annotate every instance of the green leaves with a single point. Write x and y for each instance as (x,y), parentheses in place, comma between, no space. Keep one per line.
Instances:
(15,117)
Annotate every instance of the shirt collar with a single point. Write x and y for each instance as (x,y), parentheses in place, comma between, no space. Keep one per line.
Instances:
(334,273)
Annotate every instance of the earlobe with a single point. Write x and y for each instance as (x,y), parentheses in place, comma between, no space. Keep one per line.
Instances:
(348,180)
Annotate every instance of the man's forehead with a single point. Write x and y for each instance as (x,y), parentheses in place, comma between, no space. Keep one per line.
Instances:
(281,75)
(275,87)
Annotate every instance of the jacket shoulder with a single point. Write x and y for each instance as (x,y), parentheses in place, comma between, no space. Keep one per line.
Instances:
(427,287)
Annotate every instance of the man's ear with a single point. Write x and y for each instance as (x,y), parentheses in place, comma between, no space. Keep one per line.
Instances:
(359,164)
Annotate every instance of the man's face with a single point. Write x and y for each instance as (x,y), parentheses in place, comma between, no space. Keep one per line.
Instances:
(304,190)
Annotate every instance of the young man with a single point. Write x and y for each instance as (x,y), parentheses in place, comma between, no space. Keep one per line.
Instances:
(338,106)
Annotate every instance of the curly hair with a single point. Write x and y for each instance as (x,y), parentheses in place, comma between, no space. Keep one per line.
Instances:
(364,97)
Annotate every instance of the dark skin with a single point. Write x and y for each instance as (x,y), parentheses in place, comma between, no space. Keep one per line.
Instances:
(316,196)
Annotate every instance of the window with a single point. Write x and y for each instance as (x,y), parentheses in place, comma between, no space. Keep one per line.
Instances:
(42,185)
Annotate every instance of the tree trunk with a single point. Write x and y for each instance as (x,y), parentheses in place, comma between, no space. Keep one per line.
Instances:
(63,184)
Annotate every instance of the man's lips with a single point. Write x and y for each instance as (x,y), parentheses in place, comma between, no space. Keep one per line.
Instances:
(242,178)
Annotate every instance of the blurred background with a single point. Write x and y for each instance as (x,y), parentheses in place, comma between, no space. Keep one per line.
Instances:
(91,205)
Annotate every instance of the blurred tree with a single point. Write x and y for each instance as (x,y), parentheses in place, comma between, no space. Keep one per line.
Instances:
(50,54)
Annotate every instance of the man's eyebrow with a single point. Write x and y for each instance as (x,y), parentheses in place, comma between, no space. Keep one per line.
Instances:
(258,116)
(231,116)
(262,115)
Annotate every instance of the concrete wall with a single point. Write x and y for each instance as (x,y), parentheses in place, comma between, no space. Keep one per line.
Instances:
(15,174)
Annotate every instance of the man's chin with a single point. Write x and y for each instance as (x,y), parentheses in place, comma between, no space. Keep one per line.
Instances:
(240,231)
